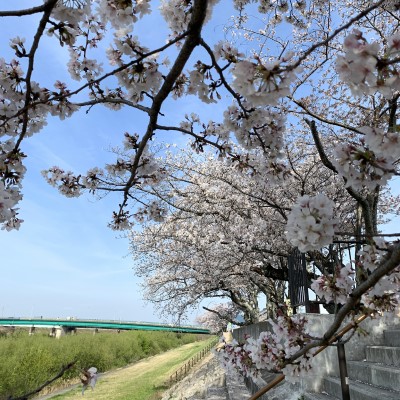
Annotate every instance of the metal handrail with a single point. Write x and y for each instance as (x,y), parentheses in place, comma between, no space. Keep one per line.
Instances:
(333,339)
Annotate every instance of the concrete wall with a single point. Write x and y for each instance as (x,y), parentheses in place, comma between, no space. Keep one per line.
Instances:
(326,362)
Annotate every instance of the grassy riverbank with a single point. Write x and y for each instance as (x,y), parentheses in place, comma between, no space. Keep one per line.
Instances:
(142,381)
(26,362)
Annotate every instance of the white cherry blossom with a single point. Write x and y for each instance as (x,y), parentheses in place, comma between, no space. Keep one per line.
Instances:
(310,224)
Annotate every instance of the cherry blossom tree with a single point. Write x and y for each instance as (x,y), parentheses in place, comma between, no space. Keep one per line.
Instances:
(321,73)
(223,230)
(217,319)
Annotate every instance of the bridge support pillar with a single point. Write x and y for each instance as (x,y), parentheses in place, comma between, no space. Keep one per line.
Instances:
(60,331)
(64,330)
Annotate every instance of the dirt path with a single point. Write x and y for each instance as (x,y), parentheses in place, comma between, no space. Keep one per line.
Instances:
(136,382)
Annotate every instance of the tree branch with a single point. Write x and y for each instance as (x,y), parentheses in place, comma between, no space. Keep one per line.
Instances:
(47,383)
(334,34)
(27,11)
(192,41)
(224,317)
(31,55)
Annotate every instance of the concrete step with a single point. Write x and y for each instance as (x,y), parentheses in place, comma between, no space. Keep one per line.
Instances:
(236,389)
(392,337)
(215,397)
(359,390)
(318,396)
(217,393)
(384,355)
(384,376)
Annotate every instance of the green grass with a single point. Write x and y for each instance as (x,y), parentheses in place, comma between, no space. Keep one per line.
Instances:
(28,361)
(143,381)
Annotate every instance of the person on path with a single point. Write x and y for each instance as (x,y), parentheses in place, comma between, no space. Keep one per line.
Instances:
(89,378)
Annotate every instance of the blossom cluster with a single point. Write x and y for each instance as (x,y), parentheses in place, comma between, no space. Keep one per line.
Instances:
(310,224)
(154,211)
(67,183)
(361,167)
(372,162)
(385,294)
(260,128)
(9,197)
(335,287)
(177,13)
(11,173)
(366,67)
(271,351)
(263,83)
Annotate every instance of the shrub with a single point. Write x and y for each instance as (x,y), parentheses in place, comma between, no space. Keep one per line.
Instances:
(28,361)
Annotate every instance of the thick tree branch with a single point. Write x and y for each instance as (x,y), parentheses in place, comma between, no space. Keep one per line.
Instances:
(27,11)
(224,317)
(318,144)
(47,383)
(191,42)
(31,56)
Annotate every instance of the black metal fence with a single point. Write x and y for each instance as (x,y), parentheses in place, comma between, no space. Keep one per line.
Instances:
(298,280)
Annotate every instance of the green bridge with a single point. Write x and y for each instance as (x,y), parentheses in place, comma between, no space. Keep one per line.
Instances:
(70,324)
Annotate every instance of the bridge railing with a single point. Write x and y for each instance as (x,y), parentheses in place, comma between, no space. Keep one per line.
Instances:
(103,324)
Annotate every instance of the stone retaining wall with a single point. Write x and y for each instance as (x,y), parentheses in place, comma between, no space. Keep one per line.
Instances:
(206,374)
(326,363)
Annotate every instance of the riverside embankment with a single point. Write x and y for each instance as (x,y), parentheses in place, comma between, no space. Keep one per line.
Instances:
(144,380)
(26,362)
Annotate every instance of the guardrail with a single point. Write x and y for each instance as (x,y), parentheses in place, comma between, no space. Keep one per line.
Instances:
(182,371)
(77,323)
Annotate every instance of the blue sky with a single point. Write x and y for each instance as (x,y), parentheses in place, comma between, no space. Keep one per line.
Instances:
(64,260)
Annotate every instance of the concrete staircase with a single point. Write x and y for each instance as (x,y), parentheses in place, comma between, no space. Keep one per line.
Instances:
(376,378)
(213,393)
(232,389)
(209,381)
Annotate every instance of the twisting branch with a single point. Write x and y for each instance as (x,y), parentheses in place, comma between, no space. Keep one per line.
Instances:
(221,75)
(391,262)
(191,42)
(366,207)
(27,11)
(393,112)
(318,144)
(108,100)
(224,317)
(115,71)
(325,42)
(31,56)
(63,370)
(220,147)
(319,118)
